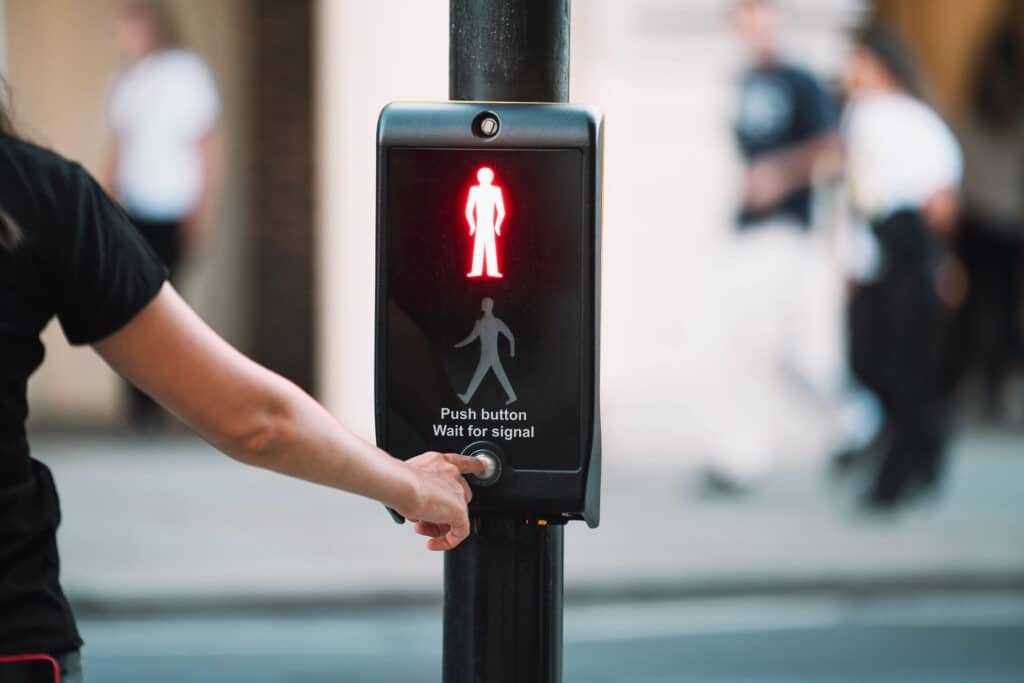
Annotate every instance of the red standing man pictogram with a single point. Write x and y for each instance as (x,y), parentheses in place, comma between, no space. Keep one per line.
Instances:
(485,210)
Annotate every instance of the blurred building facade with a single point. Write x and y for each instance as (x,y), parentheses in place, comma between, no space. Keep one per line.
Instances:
(280,273)
(945,36)
(252,279)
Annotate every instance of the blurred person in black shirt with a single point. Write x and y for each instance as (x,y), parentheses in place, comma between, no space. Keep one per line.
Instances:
(68,251)
(987,328)
(784,127)
(784,122)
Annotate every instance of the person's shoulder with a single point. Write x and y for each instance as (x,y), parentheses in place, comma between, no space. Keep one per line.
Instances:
(911,110)
(881,107)
(38,186)
(19,149)
(34,164)
(183,60)
(937,128)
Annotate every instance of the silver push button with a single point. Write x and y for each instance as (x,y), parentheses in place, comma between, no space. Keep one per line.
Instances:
(492,467)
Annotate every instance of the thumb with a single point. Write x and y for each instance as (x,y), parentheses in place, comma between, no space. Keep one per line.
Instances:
(458,532)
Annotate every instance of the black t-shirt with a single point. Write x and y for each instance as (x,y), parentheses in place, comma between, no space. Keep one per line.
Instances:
(780,106)
(80,259)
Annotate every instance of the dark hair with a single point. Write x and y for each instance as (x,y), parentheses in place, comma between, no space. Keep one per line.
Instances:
(6,124)
(889,48)
(160,18)
(10,233)
(997,82)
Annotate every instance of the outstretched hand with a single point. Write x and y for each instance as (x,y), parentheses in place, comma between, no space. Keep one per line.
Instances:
(439,508)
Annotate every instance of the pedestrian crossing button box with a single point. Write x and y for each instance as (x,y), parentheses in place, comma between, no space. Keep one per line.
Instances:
(488,296)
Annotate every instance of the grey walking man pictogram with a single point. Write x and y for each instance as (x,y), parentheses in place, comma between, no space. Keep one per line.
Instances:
(487,329)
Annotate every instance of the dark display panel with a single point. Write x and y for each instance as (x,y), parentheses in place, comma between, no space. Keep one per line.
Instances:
(456,302)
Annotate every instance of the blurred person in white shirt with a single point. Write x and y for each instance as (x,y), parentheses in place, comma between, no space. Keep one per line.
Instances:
(162,166)
(903,168)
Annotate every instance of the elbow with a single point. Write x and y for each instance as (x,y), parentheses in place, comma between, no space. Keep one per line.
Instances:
(254,436)
(252,444)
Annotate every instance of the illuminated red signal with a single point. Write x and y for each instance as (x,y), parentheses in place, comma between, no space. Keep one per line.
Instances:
(485,212)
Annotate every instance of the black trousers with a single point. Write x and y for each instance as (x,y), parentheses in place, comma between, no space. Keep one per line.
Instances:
(165,237)
(894,325)
(987,332)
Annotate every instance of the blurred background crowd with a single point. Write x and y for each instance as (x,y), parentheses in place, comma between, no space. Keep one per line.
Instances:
(813,256)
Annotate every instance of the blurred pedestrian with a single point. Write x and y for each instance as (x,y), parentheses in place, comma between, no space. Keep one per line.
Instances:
(162,165)
(68,251)
(903,168)
(987,328)
(784,122)
(781,304)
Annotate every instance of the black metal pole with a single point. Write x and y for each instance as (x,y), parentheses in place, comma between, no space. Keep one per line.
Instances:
(503,585)
(509,50)
(503,604)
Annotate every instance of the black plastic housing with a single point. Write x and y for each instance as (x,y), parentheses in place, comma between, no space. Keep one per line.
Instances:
(556,474)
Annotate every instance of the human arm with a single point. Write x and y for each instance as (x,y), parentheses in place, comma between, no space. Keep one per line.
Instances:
(261,419)
(942,206)
(941,210)
(511,339)
(472,335)
(109,290)
(773,176)
(210,150)
(499,206)
(470,206)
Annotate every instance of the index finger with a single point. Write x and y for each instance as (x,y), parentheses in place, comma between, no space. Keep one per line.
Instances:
(465,463)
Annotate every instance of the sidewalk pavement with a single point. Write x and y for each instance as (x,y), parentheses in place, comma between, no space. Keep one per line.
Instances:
(171,524)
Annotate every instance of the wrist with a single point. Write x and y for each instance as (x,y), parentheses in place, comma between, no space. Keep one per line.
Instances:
(403,490)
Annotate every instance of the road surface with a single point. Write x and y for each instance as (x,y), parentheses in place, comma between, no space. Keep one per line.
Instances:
(935,638)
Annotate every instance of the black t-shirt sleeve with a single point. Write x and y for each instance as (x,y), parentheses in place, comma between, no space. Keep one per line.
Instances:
(105,272)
